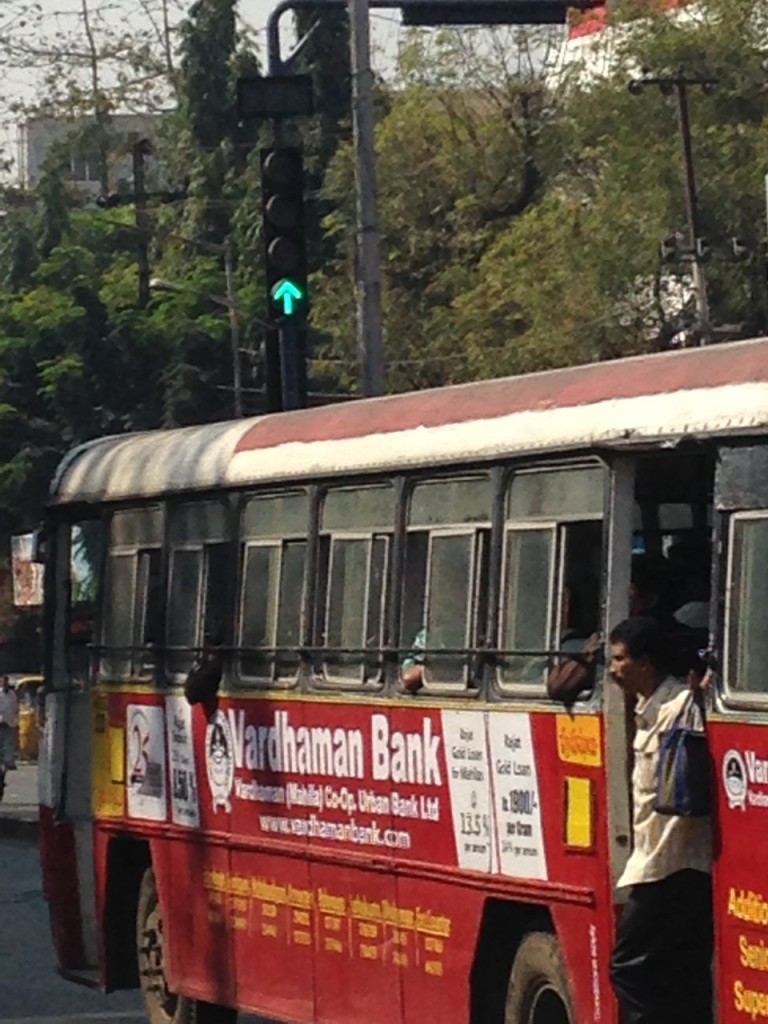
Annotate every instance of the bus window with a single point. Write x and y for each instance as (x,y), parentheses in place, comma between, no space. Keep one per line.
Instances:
(444,594)
(551,571)
(528,572)
(197,585)
(746,636)
(356,527)
(272,587)
(132,593)
(85,563)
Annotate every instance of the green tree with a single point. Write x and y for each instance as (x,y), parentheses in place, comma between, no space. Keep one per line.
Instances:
(456,162)
(521,212)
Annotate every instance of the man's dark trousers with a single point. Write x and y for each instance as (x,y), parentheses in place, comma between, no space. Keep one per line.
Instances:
(661,966)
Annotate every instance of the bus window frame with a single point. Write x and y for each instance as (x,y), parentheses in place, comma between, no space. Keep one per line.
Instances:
(537,693)
(731,697)
(245,680)
(551,527)
(323,679)
(136,653)
(241,680)
(473,534)
(172,508)
(471,686)
(174,649)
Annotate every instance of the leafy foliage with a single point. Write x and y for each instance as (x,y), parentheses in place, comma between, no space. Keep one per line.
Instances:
(521,208)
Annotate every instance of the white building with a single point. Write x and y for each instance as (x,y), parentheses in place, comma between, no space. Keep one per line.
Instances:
(38,135)
(591,37)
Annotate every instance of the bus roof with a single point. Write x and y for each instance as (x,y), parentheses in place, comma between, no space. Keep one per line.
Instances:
(703,392)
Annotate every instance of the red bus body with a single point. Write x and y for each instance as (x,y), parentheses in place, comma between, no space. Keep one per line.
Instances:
(327,856)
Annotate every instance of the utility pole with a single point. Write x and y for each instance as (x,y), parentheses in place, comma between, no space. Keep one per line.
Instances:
(691,203)
(368,282)
(233,311)
(141,150)
(679,84)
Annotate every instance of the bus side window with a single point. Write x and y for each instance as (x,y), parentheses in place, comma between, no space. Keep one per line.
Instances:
(444,596)
(197,588)
(274,556)
(85,564)
(132,593)
(551,572)
(356,527)
(528,572)
(746,663)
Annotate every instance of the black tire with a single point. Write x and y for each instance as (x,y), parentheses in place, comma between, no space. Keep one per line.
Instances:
(538,984)
(162,1005)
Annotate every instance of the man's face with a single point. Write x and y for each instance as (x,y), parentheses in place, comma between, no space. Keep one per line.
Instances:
(627,672)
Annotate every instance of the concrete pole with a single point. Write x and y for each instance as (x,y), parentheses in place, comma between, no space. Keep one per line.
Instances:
(141,150)
(368,282)
(234,329)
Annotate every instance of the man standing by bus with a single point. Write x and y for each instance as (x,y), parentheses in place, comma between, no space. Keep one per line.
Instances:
(661,963)
(9,715)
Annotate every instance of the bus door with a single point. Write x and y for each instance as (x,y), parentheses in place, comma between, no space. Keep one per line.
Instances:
(738,731)
(74,560)
(659,564)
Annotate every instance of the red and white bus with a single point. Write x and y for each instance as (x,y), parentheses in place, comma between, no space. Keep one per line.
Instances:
(315,843)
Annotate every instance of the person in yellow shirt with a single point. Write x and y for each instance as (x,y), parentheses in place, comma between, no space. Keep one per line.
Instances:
(661,962)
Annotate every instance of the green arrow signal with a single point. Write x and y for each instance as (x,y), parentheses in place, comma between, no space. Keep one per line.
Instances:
(289,294)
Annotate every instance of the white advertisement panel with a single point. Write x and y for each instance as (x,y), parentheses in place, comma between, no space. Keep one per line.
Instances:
(145,762)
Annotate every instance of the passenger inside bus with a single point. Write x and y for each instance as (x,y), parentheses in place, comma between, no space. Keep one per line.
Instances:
(690,563)
(654,591)
(412,669)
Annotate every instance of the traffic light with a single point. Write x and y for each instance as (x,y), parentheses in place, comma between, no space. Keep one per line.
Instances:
(668,249)
(739,249)
(285,246)
(703,249)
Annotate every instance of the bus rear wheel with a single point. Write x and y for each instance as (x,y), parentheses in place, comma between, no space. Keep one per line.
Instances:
(538,984)
(162,1005)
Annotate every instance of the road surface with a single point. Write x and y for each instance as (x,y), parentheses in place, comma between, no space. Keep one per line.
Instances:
(30,990)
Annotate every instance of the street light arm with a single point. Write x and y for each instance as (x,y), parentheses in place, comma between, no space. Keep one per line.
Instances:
(159,284)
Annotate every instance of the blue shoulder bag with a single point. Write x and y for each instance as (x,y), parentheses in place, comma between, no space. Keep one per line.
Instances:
(683,774)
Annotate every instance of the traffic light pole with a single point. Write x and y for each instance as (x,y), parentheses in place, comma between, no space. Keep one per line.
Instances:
(368,290)
(290,385)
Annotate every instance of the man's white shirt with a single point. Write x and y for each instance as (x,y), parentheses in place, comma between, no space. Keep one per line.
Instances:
(663,843)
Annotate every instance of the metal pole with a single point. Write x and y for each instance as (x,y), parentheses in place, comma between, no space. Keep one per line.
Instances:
(140,151)
(691,199)
(274,60)
(289,371)
(368,291)
(234,328)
